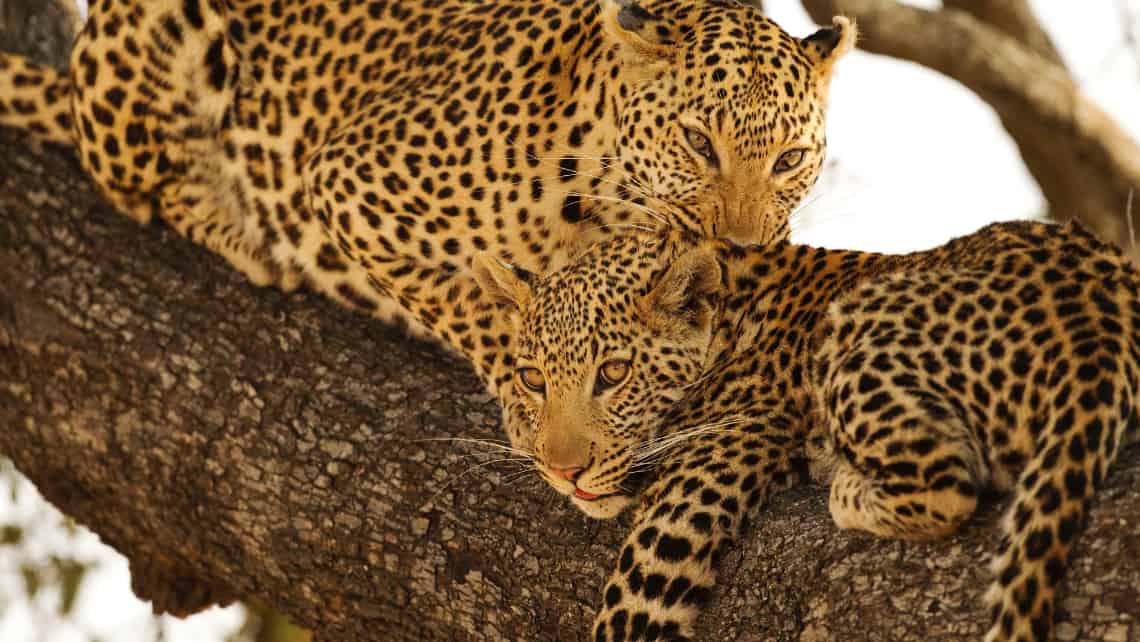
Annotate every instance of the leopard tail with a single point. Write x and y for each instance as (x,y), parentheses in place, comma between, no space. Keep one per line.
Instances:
(1078,445)
(36,99)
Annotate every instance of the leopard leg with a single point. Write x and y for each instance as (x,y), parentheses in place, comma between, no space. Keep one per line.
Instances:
(911,472)
(36,99)
(156,147)
(689,517)
(1079,445)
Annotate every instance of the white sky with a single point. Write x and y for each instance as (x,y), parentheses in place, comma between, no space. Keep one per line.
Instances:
(919,160)
(922,160)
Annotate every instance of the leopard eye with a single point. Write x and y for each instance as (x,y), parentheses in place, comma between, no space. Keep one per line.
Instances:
(789,160)
(613,372)
(701,144)
(532,378)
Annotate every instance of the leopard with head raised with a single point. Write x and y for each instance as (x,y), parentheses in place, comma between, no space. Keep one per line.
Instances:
(361,145)
(693,378)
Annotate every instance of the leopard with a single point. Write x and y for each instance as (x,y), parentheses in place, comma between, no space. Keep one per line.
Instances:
(347,144)
(689,379)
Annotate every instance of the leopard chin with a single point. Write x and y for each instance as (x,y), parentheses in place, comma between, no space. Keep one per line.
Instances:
(604,507)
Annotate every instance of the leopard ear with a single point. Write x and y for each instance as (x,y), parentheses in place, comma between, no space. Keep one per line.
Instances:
(826,46)
(501,282)
(642,34)
(684,295)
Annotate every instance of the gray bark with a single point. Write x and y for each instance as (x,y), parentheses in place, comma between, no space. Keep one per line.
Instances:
(234,442)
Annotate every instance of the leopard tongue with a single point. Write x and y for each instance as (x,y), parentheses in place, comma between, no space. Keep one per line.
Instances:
(581,494)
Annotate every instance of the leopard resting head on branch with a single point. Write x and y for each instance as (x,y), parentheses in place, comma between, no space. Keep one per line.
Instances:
(697,377)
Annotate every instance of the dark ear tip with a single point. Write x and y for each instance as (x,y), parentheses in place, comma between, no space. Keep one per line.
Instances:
(827,39)
(632,17)
(840,35)
(526,276)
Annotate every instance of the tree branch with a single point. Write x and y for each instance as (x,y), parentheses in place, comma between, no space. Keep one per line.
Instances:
(1014,18)
(1086,165)
(251,444)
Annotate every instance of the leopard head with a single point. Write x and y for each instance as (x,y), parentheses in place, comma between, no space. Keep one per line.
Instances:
(603,349)
(723,130)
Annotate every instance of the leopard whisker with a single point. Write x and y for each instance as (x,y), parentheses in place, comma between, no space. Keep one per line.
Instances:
(633,226)
(701,379)
(799,222)
(634,186)
(685,431)
(553,161)
(649,449)
(613,199)
(600,159)
(471,469)
(649,453)
(518,476)
(635,190)
(494,444)
(631,184)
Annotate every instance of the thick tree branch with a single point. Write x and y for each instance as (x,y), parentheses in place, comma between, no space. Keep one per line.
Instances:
(236,442)
(1014,18)
(1087,166)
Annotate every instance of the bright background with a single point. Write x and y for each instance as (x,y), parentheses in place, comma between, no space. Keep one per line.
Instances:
(915,160)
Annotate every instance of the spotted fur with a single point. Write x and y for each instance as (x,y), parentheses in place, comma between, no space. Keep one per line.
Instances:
(367,145)
(1006,359)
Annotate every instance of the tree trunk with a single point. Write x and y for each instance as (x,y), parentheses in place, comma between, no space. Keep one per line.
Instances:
(1087,166)
(234,442)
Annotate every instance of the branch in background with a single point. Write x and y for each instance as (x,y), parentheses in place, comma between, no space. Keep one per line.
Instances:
(1014,18)
(1086,165)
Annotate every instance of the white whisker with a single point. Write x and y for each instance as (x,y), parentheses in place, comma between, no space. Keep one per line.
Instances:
(653,214)
(633,186)
(494,444)
(633,226)
(451,482)
(652,451)
(1131,224)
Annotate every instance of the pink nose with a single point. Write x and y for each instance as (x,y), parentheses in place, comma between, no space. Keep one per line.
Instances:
(569,474)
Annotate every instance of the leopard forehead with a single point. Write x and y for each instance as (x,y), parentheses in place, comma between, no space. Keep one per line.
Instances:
(589,308)
(733,57)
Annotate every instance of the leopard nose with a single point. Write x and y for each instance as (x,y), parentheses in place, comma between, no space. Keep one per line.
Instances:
(569,474)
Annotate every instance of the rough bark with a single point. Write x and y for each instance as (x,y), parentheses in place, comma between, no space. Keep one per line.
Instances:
(40,29)
(236,442)
(1088,167)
